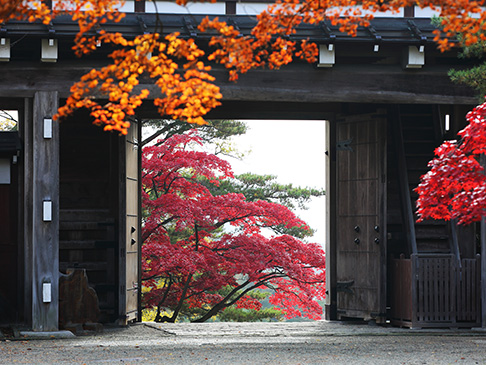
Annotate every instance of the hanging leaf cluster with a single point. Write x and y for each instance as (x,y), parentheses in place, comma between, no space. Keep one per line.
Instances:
(184,87)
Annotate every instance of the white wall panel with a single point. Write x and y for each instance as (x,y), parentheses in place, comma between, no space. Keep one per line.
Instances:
(169,7)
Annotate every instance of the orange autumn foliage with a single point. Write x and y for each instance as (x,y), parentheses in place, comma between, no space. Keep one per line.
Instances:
(183,86)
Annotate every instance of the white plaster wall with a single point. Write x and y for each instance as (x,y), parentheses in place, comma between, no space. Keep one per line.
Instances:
(250,9)
(425,13)
(170,7)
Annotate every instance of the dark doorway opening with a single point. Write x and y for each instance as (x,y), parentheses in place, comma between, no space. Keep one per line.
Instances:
(9,219)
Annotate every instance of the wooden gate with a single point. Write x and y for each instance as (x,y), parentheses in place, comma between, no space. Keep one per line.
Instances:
(436,290)
(361,225)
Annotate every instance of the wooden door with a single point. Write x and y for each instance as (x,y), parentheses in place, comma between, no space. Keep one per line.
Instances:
(361,224)
(130,260)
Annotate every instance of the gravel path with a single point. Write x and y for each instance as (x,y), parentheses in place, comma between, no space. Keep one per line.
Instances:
(254,343)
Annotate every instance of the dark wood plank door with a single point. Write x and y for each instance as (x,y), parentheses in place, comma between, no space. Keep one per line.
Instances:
(361,223)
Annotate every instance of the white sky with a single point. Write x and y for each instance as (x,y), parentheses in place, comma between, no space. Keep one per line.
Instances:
(292,150)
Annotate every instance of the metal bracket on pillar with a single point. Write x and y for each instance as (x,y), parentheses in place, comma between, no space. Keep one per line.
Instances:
(4,45)
(414,57)
(47,128)
(416,54)
(47,211)
(327,56)
(4,49)
(49,50)
(345,146)
(377,38)
(49,46)
(326,51)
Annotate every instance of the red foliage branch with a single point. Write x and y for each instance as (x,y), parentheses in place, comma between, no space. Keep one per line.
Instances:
(455,186)
(185,89)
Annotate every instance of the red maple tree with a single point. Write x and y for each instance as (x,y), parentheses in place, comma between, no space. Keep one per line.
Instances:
(189,261)
(455,186)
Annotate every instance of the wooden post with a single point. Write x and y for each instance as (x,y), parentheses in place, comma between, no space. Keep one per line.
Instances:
(483,269)
(44,230)
(331,213)
(122,232)
(139,6)
(139,220)
(129,227)
(482,161)
(26,131)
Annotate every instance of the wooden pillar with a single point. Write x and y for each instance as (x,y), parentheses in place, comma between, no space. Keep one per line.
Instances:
(230,7)
(483,272)
(331,212)
(122,232)
(43,226)
(26,133)
(482,160)
(139,220)
(129,226)
(139,6)
(409,12)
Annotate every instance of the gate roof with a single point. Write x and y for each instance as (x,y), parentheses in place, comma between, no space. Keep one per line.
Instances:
(385,30)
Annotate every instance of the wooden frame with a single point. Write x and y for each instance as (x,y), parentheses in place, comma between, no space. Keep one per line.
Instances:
(436,291)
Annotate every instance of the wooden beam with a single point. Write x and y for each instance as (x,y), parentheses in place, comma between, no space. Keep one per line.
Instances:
(233,109)
(45,215)
(346,83)
(298,83)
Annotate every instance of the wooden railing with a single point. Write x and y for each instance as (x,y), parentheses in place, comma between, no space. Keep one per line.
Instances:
(435,291)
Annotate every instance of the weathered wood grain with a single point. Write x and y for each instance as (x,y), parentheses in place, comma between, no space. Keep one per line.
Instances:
(361,220)
(301,83)
(129,231)
(26,129)
(45,235)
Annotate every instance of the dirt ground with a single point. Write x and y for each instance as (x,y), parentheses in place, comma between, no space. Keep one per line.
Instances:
(317,342)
